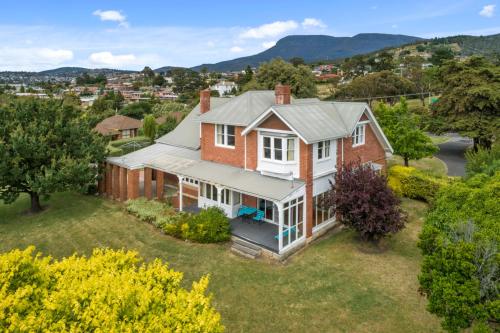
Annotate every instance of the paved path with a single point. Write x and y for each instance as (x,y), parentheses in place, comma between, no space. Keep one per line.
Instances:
(452,153)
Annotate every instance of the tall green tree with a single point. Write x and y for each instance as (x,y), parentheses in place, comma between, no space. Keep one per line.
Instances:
(46,147)
(378,84)
(149,127)
(300,78)
(402,131)
(440,55)
(470,101)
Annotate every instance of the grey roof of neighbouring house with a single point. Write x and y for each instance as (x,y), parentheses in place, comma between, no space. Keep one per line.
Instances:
(187,133)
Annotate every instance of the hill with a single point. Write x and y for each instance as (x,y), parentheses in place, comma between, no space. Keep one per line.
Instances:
(315,47)
(76,71)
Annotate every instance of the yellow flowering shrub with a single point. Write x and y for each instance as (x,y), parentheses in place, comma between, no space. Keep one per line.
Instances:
(414,184)
(110,291)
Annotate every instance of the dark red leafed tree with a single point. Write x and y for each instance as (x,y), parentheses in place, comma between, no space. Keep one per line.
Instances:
(364,202)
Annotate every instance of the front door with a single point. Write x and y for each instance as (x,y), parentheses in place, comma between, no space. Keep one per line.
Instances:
(268,208)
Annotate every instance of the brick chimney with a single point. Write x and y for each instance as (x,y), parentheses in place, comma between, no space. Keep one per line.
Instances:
(282,94)
(205,100)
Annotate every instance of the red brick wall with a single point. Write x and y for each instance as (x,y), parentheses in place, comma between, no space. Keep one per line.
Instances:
(273,122)
(371,151)
(210,152)
(252,150)
(190,190)
(249,201)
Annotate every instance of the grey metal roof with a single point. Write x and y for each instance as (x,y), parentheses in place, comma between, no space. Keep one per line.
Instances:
(186,162)
(138,159)
(240,110)
(187,133)
(318,121)
(249,182)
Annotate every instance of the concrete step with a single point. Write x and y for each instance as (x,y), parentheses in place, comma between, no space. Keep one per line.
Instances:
(243,242)
(245,251)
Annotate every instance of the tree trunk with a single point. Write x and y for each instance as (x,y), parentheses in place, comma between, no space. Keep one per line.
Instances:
(407,161)
(422,99)
(35,203)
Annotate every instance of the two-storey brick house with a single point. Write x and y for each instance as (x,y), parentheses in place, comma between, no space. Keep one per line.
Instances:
(262,149)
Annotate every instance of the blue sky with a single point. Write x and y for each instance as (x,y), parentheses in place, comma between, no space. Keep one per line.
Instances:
(38,35)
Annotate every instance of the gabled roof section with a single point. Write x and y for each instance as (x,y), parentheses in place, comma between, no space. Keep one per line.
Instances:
(240,110)
(317,121)
(113,124)
(187,133)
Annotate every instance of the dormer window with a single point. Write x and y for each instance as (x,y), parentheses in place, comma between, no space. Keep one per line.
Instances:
(224,135)
(358,136)
(323,150)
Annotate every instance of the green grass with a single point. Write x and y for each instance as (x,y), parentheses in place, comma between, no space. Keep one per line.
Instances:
(332,286)
(437,140)
(116,148)
(431,165)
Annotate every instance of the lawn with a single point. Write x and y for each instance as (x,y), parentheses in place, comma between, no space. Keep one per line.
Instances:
(431,165)
(332,286)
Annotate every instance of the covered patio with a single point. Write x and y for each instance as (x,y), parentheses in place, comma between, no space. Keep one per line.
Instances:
(258,233)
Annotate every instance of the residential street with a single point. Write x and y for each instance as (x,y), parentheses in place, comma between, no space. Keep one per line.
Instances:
(452,153)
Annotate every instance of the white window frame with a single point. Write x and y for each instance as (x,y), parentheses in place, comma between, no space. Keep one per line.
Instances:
(358,135)
(224,135)
(190,181)
(208,191)
(284,148)
(127,135)
(325,148)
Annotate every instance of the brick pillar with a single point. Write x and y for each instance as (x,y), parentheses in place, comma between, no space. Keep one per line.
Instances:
(109,180)
(123,184)
(132,184)
(148,186)
(101,180)
(309,190)
(116,182)
(160,181)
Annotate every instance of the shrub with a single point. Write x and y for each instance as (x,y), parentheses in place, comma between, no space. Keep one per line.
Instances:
(459,241)
(211,225)
(110,291)
(148,210)
(414,184)
(485,161)
(365,203)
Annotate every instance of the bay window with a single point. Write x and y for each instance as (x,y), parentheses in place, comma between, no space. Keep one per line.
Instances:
(224,135)
(278,148)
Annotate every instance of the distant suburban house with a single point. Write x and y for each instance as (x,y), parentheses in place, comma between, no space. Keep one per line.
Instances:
(224,87)
(119,127)
(263,157)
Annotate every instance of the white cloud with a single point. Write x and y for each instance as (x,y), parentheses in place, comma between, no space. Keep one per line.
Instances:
(109,59)
(270,29)
(236,49)
(55,56)
(488,11)
(269,44)
(112,15)
(394,26)
(313,23)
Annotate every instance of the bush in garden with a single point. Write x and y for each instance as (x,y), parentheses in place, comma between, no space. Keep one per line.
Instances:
(365,202)
(210,225)
(172,225)
(460,243)
(110,291)
(483,160)
(414,184)
(148,210)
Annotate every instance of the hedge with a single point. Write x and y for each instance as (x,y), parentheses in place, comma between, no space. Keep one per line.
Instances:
(414,184)
(210,225)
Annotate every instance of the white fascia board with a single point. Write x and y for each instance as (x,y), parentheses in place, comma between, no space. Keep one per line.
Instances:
(371,116)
